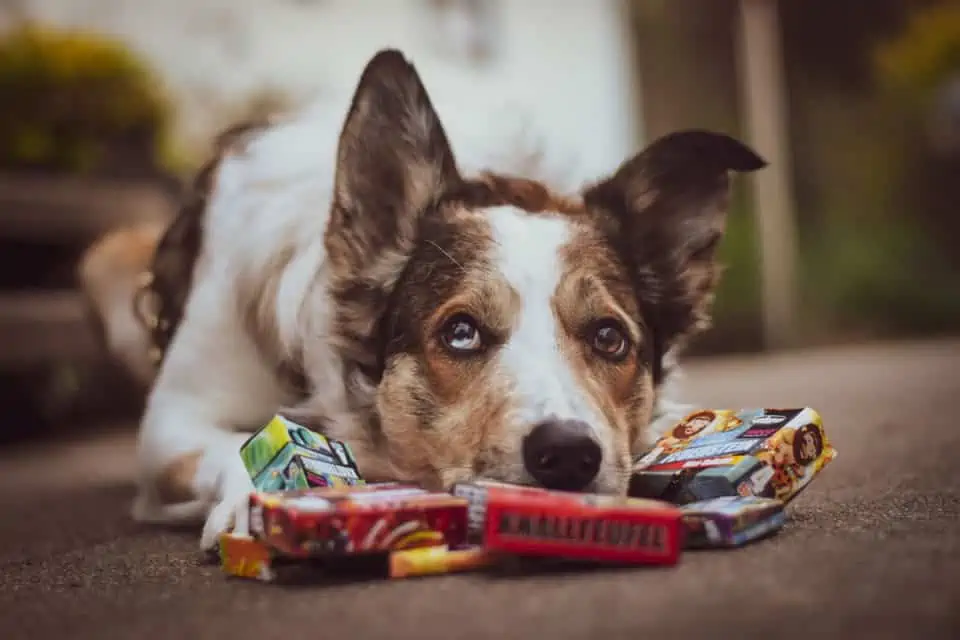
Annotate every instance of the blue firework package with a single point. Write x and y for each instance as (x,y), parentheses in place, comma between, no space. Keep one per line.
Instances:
(730,521)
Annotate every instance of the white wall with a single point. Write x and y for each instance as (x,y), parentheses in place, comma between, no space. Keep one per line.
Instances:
(570,59)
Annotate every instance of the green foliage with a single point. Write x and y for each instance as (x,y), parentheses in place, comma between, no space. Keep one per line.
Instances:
(77,102)
(885,277)
(922,56)
(738,294)
(736,307)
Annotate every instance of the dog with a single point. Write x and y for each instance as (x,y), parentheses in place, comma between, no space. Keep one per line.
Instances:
(370,273)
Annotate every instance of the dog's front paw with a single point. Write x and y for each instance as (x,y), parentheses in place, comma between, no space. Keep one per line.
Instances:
(223,477)
(231,513)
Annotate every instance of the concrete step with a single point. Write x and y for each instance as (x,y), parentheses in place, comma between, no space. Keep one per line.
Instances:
(74,210)
(41,327)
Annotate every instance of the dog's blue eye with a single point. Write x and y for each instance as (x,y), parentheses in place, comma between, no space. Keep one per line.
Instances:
(460,334)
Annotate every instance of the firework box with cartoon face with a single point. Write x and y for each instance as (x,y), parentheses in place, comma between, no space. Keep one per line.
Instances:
(731,521)
(770,453)
(361,519)
(284,455)
(537,522)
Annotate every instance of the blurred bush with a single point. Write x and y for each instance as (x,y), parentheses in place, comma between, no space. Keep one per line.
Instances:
(79,102)
(736,309)
(879,225)
(885,278)
(927,50)
(874,125)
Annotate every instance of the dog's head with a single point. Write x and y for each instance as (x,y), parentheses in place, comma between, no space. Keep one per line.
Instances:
(500,330)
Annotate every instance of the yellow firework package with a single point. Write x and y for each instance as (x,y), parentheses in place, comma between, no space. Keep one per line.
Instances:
(245,557)
(437,560)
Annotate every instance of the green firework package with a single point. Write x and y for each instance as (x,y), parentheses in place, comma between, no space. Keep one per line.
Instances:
(284,455)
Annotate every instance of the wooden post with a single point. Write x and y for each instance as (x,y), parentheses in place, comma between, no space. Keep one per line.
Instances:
(762,84)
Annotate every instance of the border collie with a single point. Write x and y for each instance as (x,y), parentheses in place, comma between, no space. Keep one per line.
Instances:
(378,278)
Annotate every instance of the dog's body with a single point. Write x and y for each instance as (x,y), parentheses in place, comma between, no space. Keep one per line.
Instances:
(446,323)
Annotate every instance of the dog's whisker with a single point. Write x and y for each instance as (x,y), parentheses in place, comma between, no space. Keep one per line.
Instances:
(445,253)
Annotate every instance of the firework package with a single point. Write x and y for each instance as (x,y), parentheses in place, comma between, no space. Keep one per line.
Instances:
(356,520)
(535,522)
(731,521)
(248,557)
(718,478)
(768,453)
(417,532)
(438,560)
(284,455)
(313,528)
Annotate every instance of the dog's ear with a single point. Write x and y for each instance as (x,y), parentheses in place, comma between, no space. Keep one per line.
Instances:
(393,162)
(667,208)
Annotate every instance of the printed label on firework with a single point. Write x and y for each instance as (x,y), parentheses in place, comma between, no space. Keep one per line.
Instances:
(584,530)
(476,506)
(315,465)
(709,451)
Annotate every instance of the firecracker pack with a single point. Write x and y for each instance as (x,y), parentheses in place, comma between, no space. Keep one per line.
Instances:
(355,520)
(284,455)
(247,557)
(426,561)
(770,453)
(731,521)
(536,522)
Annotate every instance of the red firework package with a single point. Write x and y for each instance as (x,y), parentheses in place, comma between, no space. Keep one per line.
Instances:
(362,519)
(537,522)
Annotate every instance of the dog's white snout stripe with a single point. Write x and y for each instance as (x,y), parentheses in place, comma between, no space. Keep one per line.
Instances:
(528,257)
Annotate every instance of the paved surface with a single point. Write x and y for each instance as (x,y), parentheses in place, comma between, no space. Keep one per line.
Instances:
(872,551)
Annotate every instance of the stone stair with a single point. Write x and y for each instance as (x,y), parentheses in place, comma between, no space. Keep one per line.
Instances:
(57,217)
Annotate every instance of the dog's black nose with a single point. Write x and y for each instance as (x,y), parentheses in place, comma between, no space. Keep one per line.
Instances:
(562,454)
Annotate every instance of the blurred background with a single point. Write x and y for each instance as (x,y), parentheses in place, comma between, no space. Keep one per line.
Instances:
(106,106)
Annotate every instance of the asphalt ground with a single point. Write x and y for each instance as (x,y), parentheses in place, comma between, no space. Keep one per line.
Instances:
(871,550)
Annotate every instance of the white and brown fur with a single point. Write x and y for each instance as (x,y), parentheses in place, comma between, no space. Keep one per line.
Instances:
(343,258)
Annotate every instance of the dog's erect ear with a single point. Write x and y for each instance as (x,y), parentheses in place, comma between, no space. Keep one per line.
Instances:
(393,160)
(667,208)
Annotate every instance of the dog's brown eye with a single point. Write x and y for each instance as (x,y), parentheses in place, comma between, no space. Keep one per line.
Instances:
(461,335)
(610,340)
